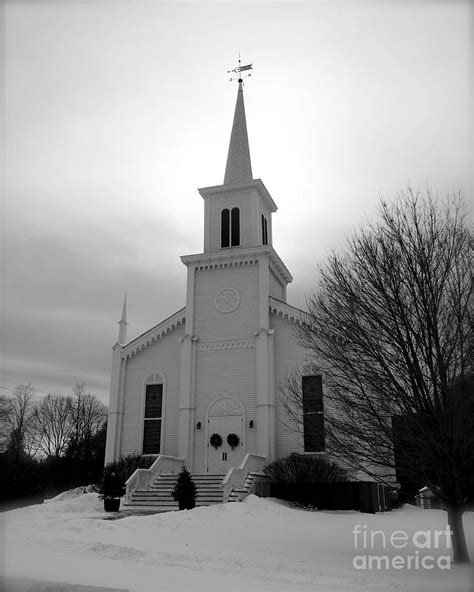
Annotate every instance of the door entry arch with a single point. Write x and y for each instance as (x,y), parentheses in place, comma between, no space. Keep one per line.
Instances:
(225,416)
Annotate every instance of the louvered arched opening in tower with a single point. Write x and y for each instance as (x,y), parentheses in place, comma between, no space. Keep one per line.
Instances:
(225,228)
(235,227)
(264,231)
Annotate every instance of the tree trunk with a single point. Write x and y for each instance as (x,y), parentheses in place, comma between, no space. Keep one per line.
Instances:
(458,539)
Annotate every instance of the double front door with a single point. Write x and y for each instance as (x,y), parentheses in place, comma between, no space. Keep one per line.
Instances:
(225,451)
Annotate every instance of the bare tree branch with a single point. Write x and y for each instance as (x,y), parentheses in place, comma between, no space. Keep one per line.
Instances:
(389,329)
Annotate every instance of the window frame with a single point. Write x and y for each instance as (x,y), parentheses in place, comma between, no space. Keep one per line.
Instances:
(230,227)
(225,228)
(264,230)
(317,442)
(152,379)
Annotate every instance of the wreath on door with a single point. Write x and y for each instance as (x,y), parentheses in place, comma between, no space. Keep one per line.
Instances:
(233,440)
(216,441)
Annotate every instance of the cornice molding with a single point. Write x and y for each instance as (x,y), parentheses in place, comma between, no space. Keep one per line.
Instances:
(155,333)
(286,311)
(207,192)
(239,256)
(212,346)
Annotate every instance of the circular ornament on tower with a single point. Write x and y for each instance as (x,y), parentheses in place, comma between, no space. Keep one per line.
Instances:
(227,300)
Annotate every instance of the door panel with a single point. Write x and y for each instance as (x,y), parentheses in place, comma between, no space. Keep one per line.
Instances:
(223,458)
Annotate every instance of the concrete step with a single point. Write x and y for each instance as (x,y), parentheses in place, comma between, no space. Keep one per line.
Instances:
(158,497)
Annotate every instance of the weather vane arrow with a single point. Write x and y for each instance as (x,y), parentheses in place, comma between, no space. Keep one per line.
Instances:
(239,69)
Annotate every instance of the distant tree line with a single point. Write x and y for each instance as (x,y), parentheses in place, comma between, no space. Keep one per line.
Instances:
(49,444)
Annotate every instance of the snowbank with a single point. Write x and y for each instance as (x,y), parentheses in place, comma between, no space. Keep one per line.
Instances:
(72,494)
(261,544)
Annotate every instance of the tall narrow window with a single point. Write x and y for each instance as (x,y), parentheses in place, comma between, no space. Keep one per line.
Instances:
(235,227)
(152,420)
(264,231)
(313,414)
(225,228)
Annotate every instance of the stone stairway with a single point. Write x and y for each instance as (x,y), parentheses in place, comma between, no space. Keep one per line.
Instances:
(159,499)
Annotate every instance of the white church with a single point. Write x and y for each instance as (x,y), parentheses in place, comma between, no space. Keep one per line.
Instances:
(202,387)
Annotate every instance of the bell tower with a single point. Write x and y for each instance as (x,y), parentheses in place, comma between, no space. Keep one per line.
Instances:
(237,213)
(228,347)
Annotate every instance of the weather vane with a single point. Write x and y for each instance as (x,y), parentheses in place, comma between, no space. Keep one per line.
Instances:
(238,71)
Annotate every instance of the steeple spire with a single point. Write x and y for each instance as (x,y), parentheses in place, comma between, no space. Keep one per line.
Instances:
(238,167)
(123,323)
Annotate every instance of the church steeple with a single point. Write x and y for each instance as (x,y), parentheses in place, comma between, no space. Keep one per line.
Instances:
(123,323)
(238,167)
(238,214)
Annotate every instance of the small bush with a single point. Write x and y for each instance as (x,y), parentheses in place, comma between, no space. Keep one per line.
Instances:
(185,491)
(302,468)
(125,466)
(112,486)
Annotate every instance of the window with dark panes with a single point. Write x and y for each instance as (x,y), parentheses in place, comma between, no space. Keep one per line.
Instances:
(225,228)
(152,420)
(264,231)
(313,413)
(235,227)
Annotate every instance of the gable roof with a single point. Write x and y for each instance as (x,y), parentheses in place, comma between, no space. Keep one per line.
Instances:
(146,339)
(286,311)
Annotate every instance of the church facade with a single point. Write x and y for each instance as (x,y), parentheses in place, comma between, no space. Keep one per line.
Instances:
(202,386)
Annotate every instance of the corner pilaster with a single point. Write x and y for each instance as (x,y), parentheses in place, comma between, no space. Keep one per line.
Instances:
(186,410)
(265,395)
(112,445)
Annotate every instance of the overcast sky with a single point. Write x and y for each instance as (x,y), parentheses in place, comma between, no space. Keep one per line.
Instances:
(116,112)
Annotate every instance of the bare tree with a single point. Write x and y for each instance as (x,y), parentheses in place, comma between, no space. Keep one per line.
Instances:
(18,426)
(52,424)
(88,414)
(390,331)
(5,405)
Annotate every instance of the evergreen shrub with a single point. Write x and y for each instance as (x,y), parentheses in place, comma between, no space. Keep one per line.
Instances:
(185,491)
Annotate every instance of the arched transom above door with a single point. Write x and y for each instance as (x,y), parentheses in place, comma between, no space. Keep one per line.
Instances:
(225,406)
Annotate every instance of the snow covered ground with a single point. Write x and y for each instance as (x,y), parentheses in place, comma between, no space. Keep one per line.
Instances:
(259,544)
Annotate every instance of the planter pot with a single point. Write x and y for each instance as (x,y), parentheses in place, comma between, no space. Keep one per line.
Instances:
(111,504)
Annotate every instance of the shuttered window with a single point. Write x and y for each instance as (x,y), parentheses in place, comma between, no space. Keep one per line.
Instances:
(230,228)
(225,228)
(264,231)
(235,227)
(313,413)
(153,417)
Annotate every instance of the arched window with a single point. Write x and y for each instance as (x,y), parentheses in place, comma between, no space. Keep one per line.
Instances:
(264,231)
(235,227)
(153,414)
(225,228)
(230,228)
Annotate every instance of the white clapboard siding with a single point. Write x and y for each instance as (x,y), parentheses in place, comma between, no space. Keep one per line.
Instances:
(163,356)
(276,289)
(288,354)
(240,199)
(219,373)
(212,325)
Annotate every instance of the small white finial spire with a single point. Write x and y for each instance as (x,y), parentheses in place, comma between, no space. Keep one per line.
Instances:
(123,323)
